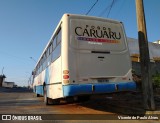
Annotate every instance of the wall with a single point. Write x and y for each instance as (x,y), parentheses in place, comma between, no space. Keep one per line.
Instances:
(155,67)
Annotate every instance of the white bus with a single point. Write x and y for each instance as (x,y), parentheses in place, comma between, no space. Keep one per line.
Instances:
(84,56)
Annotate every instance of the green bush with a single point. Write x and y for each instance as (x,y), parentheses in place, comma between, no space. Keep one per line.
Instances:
(156,80)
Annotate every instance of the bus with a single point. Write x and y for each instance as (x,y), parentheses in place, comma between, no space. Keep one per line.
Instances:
(85,56)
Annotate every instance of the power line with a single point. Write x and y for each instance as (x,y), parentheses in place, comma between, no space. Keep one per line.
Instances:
(106,9)
(110,8)
(11,55)
(91,7)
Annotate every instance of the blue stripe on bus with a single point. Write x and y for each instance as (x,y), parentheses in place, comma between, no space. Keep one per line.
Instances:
(39,89)
(47,80)
(71,90)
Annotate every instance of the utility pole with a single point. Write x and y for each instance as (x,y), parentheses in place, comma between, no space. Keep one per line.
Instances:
(144,58)
(2,70)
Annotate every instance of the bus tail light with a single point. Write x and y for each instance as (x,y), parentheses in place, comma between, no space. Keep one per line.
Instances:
(65,76)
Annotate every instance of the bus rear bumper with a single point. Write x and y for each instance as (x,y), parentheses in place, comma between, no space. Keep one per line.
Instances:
(82,89)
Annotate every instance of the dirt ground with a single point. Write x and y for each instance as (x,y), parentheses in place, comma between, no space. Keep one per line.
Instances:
(100,107)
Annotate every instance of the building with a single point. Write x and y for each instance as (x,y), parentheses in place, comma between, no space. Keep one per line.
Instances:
(157,42)
(2,78)
(154,50)
(8,84)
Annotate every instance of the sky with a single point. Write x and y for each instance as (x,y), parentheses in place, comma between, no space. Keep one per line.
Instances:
(27,25)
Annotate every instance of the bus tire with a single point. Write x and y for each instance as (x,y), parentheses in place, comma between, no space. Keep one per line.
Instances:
(37,95)
(55,101)
(83,98)
(69,99)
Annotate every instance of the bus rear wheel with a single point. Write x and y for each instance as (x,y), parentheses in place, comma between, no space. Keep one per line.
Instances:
(83,98)
(55,101)
(38,95)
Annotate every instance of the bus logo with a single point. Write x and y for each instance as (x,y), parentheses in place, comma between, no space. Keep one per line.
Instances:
(6,117)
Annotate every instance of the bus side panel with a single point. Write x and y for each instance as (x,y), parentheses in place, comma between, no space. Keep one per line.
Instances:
(55,83)
(55,72)
(54,91)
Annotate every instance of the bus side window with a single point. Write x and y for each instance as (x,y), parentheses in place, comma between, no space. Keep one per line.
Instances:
(38,68)
(53,47)
(50,48)
(54,43)
(44,60)
(41,63)
(49,54)
(36,72)
(59,37)
(59,50)
(56,53)
(56,46)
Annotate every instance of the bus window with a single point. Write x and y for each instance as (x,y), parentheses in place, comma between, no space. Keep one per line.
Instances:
(56,53)
(50,48)
(47,52)
(54,43)
(44,60)
(59,37)
(58,50)
(38,67)
(44,57)
(41,64)
(36,72)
